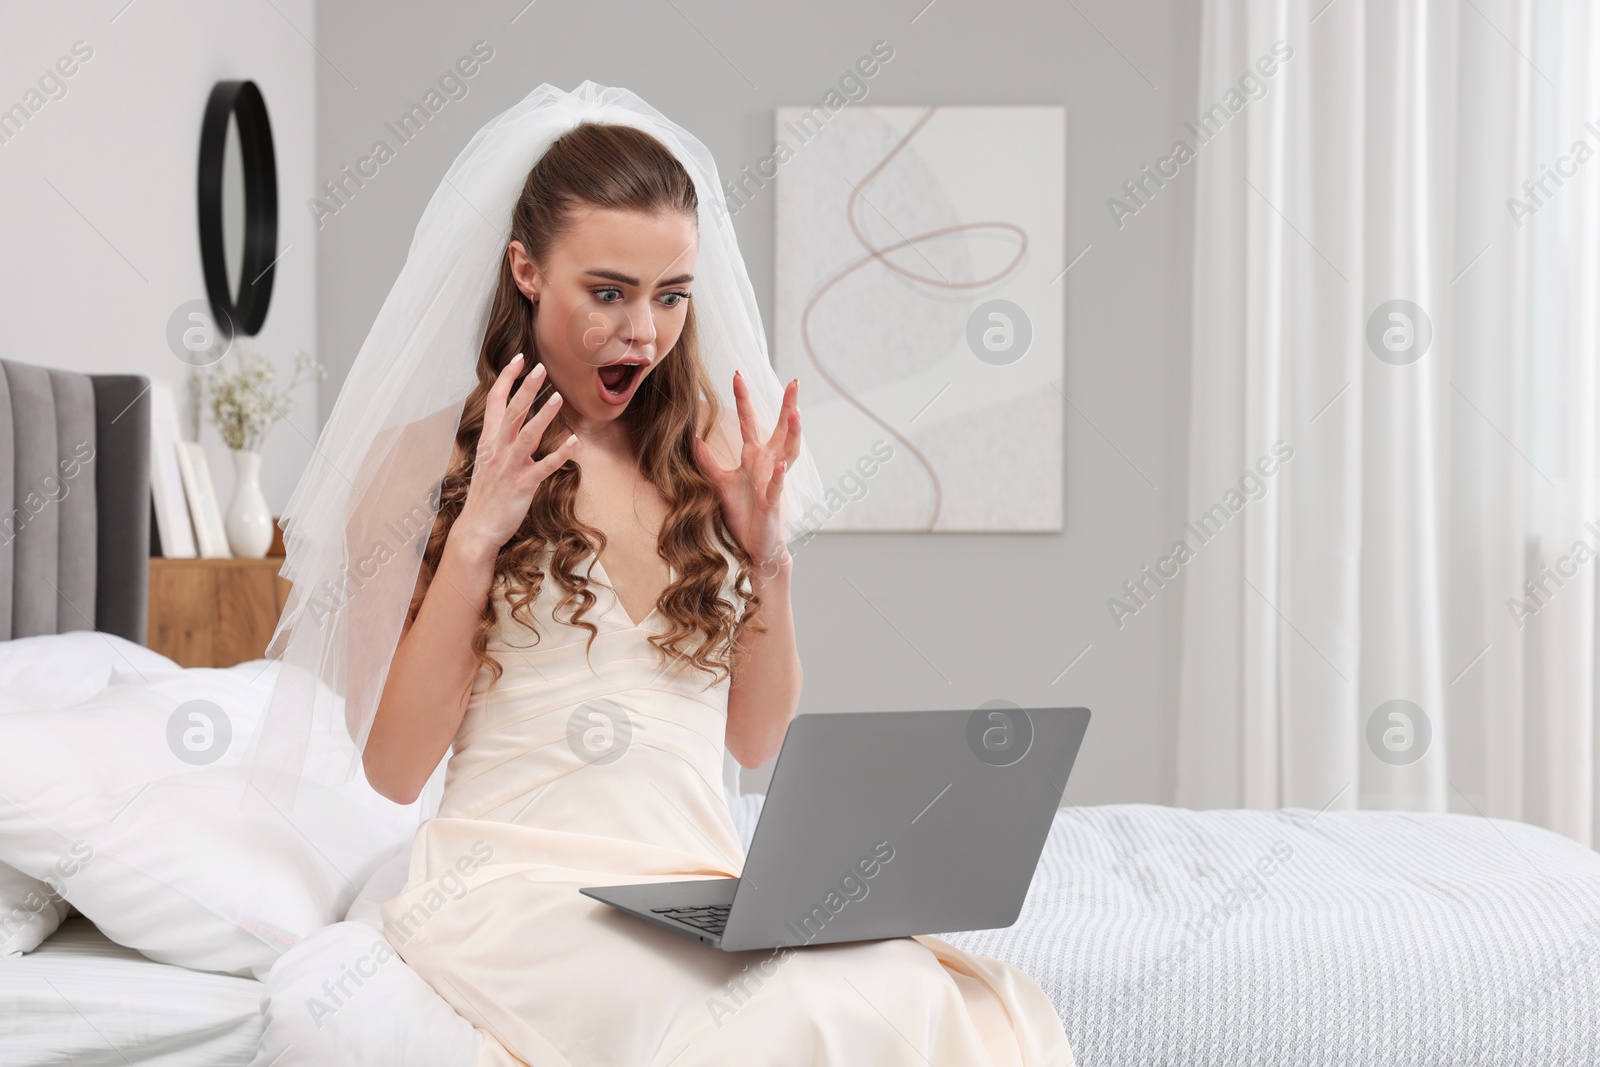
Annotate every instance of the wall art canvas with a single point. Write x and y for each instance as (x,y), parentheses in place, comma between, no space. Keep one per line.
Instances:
(920,301)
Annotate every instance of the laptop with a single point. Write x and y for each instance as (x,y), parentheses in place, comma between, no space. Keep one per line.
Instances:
(883,824)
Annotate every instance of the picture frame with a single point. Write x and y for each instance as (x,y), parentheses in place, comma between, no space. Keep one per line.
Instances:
(917,254)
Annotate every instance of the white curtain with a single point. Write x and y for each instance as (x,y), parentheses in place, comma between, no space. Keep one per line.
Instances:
(1402,613)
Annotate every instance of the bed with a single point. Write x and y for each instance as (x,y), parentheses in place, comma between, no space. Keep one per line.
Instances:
(1382,938)
(83,999)
(1164,937)
(74,540)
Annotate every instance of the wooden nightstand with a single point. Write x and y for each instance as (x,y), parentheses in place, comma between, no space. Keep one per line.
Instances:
(214,612)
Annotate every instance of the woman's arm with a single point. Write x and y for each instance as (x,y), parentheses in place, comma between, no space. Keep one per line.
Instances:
(430,677)
(431,673)
(765,690)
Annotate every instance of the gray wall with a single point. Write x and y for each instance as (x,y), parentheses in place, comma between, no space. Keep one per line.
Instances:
(1001,616)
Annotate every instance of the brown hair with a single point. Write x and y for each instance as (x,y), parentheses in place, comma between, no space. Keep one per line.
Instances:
(620,167)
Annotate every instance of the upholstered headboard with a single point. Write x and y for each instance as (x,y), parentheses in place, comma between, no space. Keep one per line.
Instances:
(74,502)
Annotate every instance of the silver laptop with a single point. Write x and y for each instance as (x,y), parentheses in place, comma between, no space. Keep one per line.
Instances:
(883,824)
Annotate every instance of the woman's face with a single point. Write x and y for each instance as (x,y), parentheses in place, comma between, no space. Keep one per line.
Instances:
(611,303)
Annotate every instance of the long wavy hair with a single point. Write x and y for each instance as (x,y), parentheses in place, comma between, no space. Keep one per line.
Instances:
(609,166)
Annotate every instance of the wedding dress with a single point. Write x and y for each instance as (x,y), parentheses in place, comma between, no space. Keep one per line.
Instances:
(576,771)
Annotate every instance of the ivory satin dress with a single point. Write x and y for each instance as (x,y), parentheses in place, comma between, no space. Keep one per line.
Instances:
(577,772)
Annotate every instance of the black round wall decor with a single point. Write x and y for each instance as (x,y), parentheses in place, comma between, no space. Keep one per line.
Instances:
(241,101)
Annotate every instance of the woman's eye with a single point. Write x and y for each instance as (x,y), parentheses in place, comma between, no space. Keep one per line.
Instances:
(673,299)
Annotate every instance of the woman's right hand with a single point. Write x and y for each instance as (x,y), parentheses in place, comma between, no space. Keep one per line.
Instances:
(505,475)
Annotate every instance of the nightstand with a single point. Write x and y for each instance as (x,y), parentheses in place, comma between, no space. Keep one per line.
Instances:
(214,612)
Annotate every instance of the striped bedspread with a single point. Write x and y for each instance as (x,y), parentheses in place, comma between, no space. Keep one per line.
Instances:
(1175,938)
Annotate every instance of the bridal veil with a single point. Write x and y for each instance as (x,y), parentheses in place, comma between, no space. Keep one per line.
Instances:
(357,521)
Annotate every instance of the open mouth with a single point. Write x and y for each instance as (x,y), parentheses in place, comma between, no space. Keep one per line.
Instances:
(618,378)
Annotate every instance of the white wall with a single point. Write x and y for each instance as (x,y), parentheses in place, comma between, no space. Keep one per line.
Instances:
(91,269)
(1000,616)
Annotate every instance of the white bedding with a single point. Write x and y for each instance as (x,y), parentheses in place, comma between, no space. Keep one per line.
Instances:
(1173,938)
(83,1000)
(1164,937)
(1382,939)
(166,847)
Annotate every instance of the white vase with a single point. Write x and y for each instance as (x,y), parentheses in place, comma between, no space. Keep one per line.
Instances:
(249,519)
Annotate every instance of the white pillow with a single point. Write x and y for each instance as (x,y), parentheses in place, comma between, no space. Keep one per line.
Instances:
(386,882)
(39,674)
(184,863)
(30,911)
(60,670)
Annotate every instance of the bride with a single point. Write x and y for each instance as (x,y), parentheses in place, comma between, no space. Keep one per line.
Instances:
(593,606)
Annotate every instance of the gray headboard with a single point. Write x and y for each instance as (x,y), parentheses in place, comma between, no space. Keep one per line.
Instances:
(74,502)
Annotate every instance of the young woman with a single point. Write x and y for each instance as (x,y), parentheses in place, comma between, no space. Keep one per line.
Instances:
(601,608)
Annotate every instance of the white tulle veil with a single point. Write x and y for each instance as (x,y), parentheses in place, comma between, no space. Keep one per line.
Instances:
(357,522)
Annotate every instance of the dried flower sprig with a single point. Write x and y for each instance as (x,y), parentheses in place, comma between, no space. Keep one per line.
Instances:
(243,403)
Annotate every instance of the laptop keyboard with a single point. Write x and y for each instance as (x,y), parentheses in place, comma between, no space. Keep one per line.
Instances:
(711,918)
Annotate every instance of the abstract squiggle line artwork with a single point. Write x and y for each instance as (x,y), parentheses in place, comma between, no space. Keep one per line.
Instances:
(917,249)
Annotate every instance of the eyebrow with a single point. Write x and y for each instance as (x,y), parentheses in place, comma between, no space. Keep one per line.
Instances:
(617,276)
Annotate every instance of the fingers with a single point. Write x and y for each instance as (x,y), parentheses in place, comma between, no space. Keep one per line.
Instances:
(519,404)
(775,484)
(785,439)
(557,459)
(494,408)
(783,444)
(533,431)
(708,462)
(790,402)
(747,415)
(791,450)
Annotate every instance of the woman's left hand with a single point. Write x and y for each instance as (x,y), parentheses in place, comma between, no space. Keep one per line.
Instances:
(752,491)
